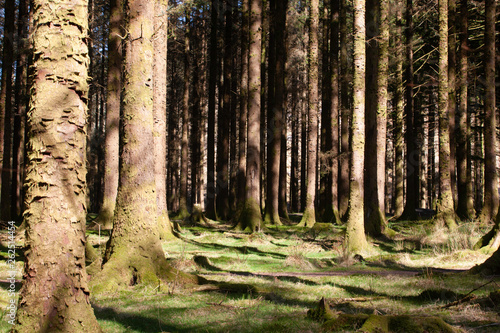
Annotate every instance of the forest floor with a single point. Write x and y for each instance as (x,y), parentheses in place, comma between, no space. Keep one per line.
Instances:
(267,282)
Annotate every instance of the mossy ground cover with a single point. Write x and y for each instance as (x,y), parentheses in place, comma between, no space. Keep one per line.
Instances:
(267,281)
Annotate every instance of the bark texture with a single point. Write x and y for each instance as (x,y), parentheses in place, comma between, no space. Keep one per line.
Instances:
(55,296)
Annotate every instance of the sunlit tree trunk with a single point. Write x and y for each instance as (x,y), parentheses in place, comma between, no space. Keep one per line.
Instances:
(355,233)
(160,116)
(55,296)
(445,211)
(309,217)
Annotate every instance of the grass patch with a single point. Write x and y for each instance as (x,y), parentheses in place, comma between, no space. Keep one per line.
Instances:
(266,282)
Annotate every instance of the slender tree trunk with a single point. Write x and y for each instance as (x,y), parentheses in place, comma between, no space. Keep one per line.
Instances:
(160,116)
(251,218)
(490,207)
(281,101)
(355,233)
(452,94)
(445,211)
(55,213)
(274,125)
(344,114)
(398,118)
(6,113)
(465,204)
(184,166)
(114,89)
(309,217)
(243,106)
(294,167)
(492,238)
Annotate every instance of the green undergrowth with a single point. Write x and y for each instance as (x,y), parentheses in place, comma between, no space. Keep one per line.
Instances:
(268,281)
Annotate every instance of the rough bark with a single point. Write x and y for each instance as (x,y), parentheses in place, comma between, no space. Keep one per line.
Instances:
(114,89)
(251,218)
(355,233)
(309,217)
(452,94)
(54,296)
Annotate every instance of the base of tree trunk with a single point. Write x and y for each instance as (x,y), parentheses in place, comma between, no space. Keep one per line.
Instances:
(375,222)
(491,240)
(447,218)
(165,228)
(490,267)
(250,219)
(308,218)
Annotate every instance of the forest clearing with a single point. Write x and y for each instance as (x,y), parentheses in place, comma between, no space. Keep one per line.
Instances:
(267,282)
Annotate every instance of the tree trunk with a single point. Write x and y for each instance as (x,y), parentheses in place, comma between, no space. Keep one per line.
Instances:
(490,207)
(465,204)
(134,254)
(55,296)
(251,218)
(114,89)
(309,217)
(492,238)
(160,117)
(184,166)
(452,95)
(445,211)
(398,118)
(274,123)
(355,233)
(345,80)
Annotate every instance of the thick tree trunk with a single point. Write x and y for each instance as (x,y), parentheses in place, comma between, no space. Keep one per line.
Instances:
(445,210)
(114,89)
(355,233)
(54,296)
(309,217)
(134,254)
(251,218)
